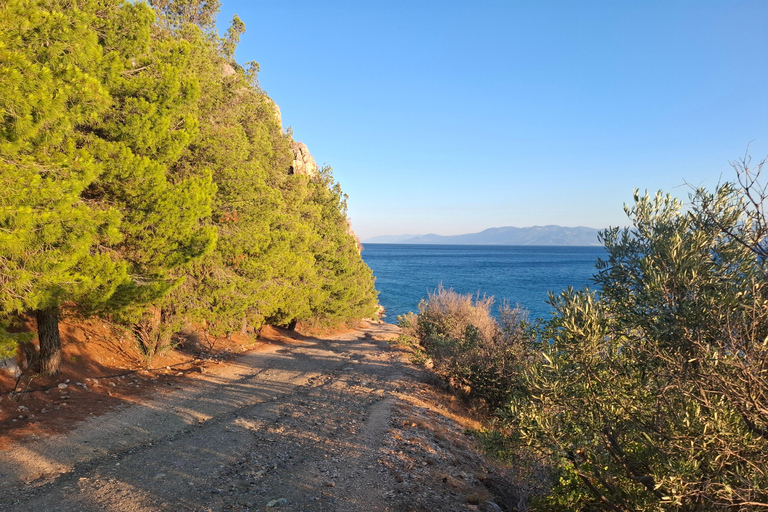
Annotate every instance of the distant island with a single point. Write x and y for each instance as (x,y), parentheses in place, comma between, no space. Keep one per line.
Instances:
(509,235)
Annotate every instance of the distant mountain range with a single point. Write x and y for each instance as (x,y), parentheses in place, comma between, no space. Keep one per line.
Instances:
(535,235)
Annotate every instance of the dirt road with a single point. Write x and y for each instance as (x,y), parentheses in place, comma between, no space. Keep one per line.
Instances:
(338,424)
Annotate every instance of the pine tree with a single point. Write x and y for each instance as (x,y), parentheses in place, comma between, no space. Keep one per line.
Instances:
(346,281)
(97,111)
(147,178)
(269,261)
(52,243)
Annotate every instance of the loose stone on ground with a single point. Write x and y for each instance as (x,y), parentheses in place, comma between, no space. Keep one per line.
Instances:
(337,424)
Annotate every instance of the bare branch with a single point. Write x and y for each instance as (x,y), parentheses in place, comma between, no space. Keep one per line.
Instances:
(129,72)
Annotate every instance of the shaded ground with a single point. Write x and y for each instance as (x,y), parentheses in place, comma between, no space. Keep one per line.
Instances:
(340,423)
(102,368)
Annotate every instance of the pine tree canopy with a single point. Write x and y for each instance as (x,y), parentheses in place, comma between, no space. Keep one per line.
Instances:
(145,171)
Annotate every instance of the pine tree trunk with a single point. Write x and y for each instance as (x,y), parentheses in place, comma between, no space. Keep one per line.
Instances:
(50,342)
(244,326)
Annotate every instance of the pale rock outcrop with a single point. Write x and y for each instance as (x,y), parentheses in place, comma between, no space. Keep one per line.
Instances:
(352,233)
(227,70)
(275,110)
(303,162)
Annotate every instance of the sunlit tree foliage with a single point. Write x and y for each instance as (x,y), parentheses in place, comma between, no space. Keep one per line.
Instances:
(146,179)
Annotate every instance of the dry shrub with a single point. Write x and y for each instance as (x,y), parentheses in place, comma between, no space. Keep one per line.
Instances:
(409,329)
(484,358)
(154,333)
(449,314)
(478,355)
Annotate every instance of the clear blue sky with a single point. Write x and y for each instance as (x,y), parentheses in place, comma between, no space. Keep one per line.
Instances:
(450,117)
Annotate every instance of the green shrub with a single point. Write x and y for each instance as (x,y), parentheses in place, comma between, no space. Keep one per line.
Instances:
(652,394)
(649,395)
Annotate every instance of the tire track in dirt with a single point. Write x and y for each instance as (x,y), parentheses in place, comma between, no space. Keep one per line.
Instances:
(308,426)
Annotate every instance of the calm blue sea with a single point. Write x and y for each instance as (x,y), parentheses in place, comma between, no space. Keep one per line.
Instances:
(520,274)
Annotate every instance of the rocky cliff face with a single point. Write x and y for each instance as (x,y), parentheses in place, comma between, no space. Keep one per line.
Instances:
(303,162)
(352,233)
(275,110)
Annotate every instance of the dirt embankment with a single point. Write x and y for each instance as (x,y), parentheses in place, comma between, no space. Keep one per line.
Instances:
(338,423)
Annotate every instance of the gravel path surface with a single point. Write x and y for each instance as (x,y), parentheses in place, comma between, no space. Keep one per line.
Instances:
(337,424)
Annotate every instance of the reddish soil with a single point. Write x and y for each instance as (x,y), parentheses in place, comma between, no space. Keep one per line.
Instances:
(338,423)
(102,369)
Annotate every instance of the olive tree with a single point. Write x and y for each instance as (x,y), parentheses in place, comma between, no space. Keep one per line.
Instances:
(652,394)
